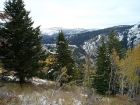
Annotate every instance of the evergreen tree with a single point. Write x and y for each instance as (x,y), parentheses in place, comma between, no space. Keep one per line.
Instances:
(65,59)
(101,79)
(22,52)
(114,43)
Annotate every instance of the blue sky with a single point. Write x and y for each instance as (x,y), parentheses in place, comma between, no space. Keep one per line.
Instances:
(82,13)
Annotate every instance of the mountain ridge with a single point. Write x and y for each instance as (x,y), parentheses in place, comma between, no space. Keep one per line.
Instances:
(129,35)
(67,31)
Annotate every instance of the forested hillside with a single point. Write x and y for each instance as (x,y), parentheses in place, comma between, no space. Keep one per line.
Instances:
(89,68)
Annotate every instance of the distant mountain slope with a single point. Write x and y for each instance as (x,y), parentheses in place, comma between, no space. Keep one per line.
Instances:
(80,38)
(133,36)
(50,33)
(129,35)
(67,31)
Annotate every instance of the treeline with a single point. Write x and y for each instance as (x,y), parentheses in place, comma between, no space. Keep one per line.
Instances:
(116,70)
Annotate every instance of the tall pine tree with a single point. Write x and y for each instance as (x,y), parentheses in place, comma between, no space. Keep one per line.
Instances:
(65,58)
(22,51)
(101,79)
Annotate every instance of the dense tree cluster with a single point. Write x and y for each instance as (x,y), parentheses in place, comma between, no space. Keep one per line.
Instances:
(116,72)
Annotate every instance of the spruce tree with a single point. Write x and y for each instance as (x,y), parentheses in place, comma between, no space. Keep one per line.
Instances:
(114,43)
(101,79)
(22,52)
(65,59)
(105,66)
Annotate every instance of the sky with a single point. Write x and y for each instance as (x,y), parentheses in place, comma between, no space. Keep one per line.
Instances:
(82,13)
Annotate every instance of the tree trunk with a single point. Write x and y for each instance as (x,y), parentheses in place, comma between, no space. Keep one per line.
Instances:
(61,83)
(22,79)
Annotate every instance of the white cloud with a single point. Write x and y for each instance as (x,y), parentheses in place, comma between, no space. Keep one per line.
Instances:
(83,13)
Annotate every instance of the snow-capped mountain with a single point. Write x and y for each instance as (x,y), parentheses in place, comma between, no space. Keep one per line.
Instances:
(67,31)
(129,36)
(87,41)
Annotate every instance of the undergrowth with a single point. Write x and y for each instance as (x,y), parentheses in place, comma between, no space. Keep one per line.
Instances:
(52,94)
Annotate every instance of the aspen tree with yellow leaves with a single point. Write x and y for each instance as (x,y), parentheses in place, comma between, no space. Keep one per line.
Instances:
(50,67)
(114,59)
(88,72)
(129,72)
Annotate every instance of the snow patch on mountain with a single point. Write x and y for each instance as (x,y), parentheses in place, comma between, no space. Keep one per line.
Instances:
(120,36)
(51,48)
(51,31)
(66,31)
(90,46)
(134,35)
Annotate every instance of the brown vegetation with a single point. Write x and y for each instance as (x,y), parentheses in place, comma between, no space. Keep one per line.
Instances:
(49,93)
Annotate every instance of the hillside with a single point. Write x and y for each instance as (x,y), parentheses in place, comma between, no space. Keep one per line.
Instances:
(43,92)
(80,38)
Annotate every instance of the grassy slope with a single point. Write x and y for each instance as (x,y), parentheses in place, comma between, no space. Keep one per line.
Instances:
(41,92)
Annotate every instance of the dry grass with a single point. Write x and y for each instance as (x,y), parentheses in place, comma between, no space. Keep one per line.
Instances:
(51,94)
(43,94)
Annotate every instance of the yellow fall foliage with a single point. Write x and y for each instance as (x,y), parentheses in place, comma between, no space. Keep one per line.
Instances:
(63,69)
(129,68)
(49,60)
(0,70)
